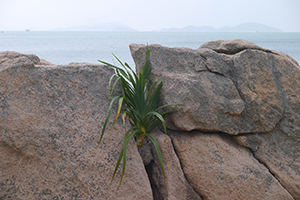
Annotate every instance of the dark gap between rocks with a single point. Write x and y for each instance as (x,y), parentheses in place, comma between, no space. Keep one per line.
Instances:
(227,52)
(148,161)
(154,188)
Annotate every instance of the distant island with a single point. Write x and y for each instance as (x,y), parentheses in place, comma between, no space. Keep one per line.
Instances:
(245,27)
(119,27)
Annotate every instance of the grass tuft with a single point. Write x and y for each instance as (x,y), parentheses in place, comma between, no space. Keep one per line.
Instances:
(139,103)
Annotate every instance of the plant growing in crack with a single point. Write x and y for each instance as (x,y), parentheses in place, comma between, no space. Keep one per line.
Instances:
(140,102)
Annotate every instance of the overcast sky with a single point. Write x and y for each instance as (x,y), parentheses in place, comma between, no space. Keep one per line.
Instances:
(148,15)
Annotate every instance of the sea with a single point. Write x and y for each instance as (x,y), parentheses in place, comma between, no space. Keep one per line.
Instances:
(61,48)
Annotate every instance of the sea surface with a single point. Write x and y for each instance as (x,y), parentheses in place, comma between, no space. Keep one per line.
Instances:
(65,47)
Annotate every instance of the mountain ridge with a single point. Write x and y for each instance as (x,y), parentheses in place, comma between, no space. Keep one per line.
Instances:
(245,27)
(119,27)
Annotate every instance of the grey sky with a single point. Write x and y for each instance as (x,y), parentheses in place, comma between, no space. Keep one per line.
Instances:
(145,15)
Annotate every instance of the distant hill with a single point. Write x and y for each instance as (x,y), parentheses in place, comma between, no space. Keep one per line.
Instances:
(246,27)
(114,27)
(249,27)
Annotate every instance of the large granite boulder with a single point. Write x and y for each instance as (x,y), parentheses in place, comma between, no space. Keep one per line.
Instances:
(237,91)
(50,122)
(248,93)
(218,168)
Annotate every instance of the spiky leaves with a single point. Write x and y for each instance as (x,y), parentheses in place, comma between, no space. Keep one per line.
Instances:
(140,102)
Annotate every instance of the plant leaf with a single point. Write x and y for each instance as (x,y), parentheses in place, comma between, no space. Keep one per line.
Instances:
(160,118)
(108,116)
(159,155)
(115,83)
(118,112)
(123,155)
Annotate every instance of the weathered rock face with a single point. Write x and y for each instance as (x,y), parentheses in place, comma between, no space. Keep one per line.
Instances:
(51,118)
(218,168)
(238,88)
(237,92)
(280,152)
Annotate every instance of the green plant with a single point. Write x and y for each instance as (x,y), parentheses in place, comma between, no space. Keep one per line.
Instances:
(141,99)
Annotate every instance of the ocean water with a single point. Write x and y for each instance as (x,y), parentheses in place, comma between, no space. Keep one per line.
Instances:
(66,47)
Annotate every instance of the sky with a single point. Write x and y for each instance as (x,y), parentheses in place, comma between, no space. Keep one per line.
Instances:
(148,15)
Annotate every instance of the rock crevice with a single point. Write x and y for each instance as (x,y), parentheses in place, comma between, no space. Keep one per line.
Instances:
(267,167)
(177,186)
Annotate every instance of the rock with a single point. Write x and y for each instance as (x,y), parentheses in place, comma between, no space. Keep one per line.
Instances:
(145,152)
(231,46)
(235,88)
(236,46)
(177,187)
(218,168)
(236,93)
(51,118)
(279,150)
(44,62)
(10,59)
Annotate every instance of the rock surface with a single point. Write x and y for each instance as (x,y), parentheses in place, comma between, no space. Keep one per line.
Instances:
(235,93)
(280,152)
(236,88)
(50,122)
(218,168)
(177,187)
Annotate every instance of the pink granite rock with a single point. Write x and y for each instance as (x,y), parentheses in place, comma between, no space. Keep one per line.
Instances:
(218,168)
(177,187)
(50,122)
(229,86)
(235,88)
